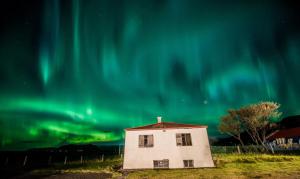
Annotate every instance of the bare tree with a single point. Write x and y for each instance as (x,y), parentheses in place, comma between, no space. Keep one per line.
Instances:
(257,120)
(231,125)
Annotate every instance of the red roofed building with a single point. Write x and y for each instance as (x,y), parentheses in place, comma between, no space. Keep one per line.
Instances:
(283,136)
(167,145)
(286,133)
(288,137)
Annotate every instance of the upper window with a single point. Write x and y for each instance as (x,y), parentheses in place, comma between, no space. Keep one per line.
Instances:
(145,140)
(188,163)
(183,139)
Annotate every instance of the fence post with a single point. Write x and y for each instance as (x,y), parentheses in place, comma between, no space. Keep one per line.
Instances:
(25,160)
(238,149)
(271,148)
(102,158)
(66,157)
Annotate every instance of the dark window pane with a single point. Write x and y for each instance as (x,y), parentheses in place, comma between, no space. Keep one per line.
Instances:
(145,140)
(185,162)
(188,139)
(179,139)
(183,139)
(188,163)
(141,141)
(150,140)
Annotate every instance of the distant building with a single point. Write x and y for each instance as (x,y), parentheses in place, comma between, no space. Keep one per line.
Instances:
(167,145)
(289,132)
(286,136)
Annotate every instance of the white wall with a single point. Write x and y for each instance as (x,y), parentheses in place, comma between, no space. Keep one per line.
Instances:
(165,148)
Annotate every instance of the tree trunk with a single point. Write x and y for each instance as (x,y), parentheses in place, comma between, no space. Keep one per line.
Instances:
(238,137)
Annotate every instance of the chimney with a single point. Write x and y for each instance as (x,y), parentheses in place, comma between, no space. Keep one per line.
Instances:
(158,119)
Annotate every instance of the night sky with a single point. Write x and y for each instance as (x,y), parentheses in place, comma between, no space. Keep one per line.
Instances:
(80,71)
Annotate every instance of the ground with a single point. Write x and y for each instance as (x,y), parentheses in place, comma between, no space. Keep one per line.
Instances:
(227,166)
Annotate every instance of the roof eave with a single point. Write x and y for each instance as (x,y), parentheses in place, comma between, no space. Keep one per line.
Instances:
(167,128)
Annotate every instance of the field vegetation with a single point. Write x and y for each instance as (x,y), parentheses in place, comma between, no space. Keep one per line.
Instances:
(235,166)
(227,166)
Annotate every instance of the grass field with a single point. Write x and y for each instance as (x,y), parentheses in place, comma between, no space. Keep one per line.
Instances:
(227,166)
(235,166)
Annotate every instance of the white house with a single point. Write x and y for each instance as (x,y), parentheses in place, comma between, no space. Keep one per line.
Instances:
(167,145)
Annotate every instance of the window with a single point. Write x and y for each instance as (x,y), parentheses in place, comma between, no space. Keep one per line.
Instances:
(145,140)
(161,163)
(183,139)
(188,163)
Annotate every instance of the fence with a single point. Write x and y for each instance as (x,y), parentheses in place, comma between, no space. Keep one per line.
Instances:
(236,149)
(254,149)
(37,159)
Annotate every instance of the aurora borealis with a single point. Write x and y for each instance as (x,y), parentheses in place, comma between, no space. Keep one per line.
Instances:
(81,71)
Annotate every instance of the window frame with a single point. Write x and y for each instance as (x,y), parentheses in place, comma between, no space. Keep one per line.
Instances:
(184,139)
(190,163)
(161,164)
(146,141)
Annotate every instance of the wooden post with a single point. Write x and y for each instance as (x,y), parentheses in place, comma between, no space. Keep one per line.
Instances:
(25,160)
(238,149)
(121,155)
(50,160)
(119,149)
(102,158)
(66,157)
(271,148)
(81,159)
(225,149)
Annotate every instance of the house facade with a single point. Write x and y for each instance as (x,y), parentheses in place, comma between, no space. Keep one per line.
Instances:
(167,145)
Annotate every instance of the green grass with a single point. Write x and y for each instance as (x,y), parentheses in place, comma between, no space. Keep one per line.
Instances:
(227,166)
(90,166)
(235,166)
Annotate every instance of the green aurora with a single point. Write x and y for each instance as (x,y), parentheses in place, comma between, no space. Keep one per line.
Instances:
(81,71)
